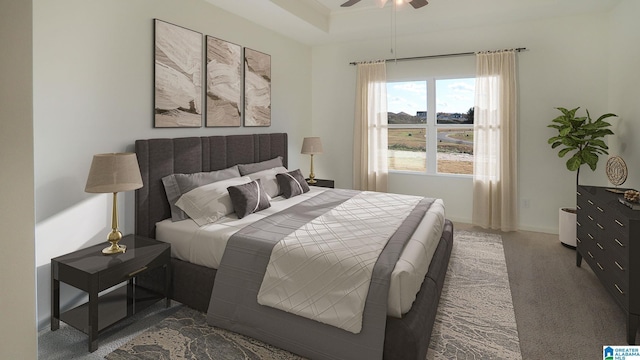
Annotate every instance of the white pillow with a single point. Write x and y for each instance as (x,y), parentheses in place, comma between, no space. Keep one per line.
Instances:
(268,180)
(208,203)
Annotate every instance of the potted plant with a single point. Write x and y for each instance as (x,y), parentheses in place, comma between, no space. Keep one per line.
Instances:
(582,138)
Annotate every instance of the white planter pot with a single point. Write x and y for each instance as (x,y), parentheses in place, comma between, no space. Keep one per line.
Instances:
(567,227)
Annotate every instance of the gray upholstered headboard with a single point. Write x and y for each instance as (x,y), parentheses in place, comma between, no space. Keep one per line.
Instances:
(161,157)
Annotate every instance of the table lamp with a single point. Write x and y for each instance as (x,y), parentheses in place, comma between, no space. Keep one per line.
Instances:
(311,146)
(113,173)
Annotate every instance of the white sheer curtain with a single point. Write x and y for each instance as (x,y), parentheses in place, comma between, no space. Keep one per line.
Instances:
(370,170)
(495,204)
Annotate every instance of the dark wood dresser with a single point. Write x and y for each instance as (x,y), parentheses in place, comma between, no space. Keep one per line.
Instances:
(608,238)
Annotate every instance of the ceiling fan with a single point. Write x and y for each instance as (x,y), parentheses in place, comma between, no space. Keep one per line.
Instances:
(417,4)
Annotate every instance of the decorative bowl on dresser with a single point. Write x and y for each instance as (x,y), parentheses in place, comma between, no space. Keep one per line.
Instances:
(607,232)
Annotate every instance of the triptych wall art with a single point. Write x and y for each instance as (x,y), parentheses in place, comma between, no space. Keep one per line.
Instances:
(237,85)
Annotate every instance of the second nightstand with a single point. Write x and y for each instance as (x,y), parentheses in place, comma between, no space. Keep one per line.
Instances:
(323,183)
(91,271)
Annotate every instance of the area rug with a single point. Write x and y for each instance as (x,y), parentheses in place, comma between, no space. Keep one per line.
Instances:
(475,317)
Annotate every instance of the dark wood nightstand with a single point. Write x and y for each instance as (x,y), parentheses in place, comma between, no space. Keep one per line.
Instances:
(91,271)
(322,183)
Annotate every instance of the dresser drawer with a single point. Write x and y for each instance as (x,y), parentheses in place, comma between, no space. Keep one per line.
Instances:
(614,224)
(619,272)
(619,291)
(615,281)
(616,252)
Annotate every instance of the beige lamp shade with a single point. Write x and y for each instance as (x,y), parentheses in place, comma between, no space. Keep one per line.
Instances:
(115,172)
(311,145)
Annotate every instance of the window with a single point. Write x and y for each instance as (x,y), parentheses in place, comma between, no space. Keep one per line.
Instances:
(439,141)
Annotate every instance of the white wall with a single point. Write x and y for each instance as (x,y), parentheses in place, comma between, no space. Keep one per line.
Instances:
(624,92)
(93,93)
(566,65)
(17,269)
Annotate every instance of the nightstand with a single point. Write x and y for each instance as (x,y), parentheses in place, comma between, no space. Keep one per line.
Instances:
(91,271)
(323,183)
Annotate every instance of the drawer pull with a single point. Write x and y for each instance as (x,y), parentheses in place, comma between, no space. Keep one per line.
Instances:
(578,192)
(590,218)
(618,242)
(619,267)
(137,271)
(600,246)
(599,208)
(589,235)
(579,241)
(578,206)
(619,223)
(600,226)
(600,266)
(590,255)
(621,292)
(590,202)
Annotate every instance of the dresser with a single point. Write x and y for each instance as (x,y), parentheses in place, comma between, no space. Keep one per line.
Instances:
(608,239)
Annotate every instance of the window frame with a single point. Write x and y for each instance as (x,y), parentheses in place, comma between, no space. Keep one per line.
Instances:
(431,126)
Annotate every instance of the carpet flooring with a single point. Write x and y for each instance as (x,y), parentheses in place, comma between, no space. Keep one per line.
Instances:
(475,317)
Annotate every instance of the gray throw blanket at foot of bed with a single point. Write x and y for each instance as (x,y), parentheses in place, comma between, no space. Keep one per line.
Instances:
(234,306)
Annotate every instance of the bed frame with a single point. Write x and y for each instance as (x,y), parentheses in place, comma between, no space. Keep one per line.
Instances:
(406,338)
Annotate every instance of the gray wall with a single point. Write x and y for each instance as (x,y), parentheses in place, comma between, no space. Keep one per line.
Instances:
(93,93)
(17,268)
(624,92)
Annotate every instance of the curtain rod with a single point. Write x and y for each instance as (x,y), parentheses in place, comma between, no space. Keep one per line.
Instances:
(432,56)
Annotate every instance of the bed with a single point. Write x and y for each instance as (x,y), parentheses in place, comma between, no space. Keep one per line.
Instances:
(405,338)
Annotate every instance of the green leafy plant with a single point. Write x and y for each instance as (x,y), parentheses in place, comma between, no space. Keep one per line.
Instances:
(581,137)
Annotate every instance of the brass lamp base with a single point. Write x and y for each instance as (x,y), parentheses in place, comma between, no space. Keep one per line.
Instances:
(312,176)
(114,249)
(114,237)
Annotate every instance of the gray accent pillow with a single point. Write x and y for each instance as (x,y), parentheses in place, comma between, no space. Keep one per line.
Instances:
(292,183)
(259,166)
(248,198)
(176,185)
(268,180)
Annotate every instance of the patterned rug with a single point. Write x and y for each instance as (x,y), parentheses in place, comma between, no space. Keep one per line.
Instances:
(475,317)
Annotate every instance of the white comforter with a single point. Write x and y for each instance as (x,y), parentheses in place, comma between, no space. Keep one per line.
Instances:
(322,271)
(205,246)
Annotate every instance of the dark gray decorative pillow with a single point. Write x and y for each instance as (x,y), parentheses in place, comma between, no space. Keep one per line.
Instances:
(176,185)
(259,166)
(248,198)
(292,183)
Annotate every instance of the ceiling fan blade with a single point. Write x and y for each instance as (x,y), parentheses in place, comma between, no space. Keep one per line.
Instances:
(417,4)
(349,3)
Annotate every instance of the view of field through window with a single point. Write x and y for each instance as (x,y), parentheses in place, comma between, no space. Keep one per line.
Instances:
(413,135)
